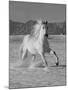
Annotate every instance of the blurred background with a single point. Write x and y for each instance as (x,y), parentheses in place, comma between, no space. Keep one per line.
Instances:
(23,14)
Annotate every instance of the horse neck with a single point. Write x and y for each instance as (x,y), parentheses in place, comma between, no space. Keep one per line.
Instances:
(41,37)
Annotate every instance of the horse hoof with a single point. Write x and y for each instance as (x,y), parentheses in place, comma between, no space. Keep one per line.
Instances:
(57,64)
(46,69)
(31,67)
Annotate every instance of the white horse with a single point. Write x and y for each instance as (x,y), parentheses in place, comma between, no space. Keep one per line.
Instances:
(34,43)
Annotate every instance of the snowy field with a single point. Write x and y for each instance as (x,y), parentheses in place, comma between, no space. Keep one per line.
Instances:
(22,76)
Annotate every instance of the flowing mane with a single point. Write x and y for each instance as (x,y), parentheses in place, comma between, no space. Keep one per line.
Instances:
(36,29)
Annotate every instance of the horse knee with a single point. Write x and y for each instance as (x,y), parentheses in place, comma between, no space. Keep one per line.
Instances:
(53,52)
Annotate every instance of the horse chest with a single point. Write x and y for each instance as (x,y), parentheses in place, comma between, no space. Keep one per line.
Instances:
(38,46)
(34,47)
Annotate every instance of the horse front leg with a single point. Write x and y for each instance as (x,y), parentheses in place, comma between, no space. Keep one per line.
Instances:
(57,58)
(44,59)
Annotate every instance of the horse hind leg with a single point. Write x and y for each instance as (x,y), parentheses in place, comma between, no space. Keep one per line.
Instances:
(57,58)
(23,53)
(32,62)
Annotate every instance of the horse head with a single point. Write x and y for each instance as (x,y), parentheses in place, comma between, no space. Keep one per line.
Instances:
(46,26)
(38,28)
